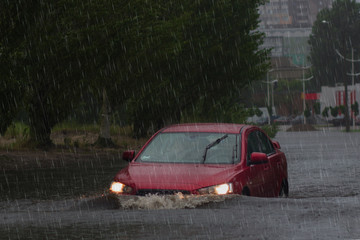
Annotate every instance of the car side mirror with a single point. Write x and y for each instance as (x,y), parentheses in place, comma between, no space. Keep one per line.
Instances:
(276,144)
(128,155)
(258,158)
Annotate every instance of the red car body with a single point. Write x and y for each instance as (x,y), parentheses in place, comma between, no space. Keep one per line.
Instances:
(253,165)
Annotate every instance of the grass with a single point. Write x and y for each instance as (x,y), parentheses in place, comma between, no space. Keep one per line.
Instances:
(91,128)
(70,135)
(17,130)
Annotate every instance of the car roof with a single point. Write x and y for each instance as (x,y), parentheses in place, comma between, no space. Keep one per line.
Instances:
(205,127)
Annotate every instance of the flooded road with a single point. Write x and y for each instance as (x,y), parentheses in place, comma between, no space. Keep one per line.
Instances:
(66,176)
(71,202)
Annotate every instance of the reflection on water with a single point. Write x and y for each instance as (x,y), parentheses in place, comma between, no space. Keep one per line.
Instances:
(68,181)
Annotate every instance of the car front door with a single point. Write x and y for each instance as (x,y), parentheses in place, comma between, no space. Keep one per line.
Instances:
(274,159)
(259,175)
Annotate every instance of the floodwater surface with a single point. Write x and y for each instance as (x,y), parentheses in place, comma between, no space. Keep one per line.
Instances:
(72,202)
(72,178)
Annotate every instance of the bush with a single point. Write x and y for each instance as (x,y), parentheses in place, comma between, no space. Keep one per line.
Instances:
(271,130)
(355,108)
(307,112)
(325,112)
(258,112)
(17,130)
(317,108)
(334,111)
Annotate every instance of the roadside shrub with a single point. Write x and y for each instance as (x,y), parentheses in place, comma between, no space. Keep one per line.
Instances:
(307,112)
(271,130)
(17,130)
(325,112)
(317,108)
(355,108)
(334,111)
(258,112)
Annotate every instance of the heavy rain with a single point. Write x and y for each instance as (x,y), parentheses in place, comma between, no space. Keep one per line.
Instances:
(85,83)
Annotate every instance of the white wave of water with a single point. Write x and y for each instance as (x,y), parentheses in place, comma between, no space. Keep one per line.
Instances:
(176,201)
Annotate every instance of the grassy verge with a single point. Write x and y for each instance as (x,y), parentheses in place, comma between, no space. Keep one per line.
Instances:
(90,128)
(17,130)
(71,136)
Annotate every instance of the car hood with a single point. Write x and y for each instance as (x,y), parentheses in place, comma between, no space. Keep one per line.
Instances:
(187,177)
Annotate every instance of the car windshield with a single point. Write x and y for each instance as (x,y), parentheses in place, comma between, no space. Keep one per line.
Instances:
(192,148)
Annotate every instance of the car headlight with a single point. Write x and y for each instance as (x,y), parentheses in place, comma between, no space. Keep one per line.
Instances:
(221,189)
(118,187)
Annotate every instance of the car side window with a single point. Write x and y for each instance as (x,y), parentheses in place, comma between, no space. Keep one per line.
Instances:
(252,144)
(265,144)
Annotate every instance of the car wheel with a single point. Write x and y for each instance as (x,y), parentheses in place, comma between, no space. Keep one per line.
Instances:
(284,190)
(245,191)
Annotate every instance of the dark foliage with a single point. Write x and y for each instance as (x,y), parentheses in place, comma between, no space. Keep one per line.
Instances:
(158,60)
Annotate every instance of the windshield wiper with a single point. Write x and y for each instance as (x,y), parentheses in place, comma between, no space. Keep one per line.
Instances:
(216,142)
(235,149)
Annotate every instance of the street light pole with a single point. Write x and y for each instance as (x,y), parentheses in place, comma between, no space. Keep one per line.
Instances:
(304,105)
(272,91)
(303,81)
(268,92)
(352,83)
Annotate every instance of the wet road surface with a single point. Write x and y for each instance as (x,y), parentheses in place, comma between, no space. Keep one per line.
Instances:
(324,170)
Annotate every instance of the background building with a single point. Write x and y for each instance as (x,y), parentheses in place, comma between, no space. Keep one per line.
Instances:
(287,25)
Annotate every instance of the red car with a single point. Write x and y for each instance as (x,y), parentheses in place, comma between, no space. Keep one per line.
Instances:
(205,158)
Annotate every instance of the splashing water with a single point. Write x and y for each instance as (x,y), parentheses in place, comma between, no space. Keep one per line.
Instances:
(176,201)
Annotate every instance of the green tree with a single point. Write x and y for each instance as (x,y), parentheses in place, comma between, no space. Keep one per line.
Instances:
(14,17)
(41,61)
(67,48)
(334,33)
(163,59)
(215,53)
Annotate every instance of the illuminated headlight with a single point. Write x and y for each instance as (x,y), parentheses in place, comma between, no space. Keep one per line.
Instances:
(118,187)
(221,189)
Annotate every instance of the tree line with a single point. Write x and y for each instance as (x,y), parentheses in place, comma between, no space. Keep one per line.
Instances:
(158,61)
(334,43)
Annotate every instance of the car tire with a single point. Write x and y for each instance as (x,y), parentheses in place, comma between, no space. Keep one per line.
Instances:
(284,190)
(245,191)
